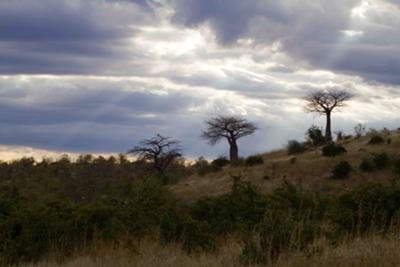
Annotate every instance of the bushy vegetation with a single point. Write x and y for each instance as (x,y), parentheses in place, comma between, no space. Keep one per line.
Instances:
(397,166)
(295,147)
(314,136)
(381,160)
(254,160)
(333,150)
(366,165)
(376,140)
(203,167)
(341,170)
(64,207)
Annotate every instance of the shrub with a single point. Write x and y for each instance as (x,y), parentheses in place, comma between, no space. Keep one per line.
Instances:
(359,130)
(295,147)
(314,136)
(376,140)
(254,160)
(381,160)
(397,166)
(341,170)
(218,163)
(366,165)
(333,150)
(201,166)
(237,163)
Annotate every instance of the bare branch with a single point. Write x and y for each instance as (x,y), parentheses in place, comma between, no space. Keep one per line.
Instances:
(159,149)
(323,102)
(230,128)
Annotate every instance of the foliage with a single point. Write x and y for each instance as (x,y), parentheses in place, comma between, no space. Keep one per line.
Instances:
(219,163)
(237,163)
(397,166)
(366,165)
(376,140)
(341,170)
(254,160)
(381,160)
(295,147)
(65,206)
(314,136)
(333,150)
(202,166)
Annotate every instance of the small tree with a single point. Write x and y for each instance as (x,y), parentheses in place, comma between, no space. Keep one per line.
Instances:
(161,150)
(324,102)
(314,136)
(359,129)
(230,128)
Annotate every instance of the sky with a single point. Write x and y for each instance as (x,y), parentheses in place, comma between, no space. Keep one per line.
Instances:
(98,76)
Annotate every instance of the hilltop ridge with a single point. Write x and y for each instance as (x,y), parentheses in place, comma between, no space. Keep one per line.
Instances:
(310,169)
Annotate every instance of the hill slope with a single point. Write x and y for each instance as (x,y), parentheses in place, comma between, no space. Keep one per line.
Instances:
(311,169)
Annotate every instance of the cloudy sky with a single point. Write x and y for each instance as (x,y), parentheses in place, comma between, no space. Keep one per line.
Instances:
(97,76)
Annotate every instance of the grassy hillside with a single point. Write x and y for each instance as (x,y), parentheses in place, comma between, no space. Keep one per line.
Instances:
(371,251)
(113,212)
(310,169)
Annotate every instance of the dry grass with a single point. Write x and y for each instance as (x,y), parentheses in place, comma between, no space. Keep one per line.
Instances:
(311,169)
(373,251)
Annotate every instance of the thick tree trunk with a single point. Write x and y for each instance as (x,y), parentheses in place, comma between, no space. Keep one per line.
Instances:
(233,151)
(328,132)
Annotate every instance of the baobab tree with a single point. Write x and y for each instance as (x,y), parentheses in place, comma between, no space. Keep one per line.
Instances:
(324,102)
(161,150)
(230,128)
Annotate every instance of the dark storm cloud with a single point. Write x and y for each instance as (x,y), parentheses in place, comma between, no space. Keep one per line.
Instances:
(231,20)
(94,117)
(309,30)
(66,37)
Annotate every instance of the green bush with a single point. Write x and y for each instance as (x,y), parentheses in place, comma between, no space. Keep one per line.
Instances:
(376,140)
(254,160)
(341,170)
(219,163)
(237,163)
(366,165)
(295,147)
(381,161)
(315,137)
(333,150)
(397,166)
(201,166)
(370,205)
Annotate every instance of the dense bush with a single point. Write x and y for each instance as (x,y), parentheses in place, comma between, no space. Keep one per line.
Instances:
(314,136)
(219,163)
(381,160)
(341,170)
(60,207)
(366,165)
(203,167)
(254,160)
(376,140)
(333,150)
(295,147)
(397,166)
(237,163)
